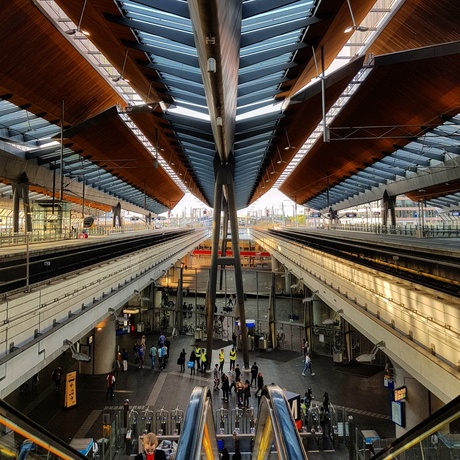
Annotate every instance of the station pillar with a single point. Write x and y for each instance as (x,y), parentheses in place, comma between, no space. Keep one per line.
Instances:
(419,402)
(102,349)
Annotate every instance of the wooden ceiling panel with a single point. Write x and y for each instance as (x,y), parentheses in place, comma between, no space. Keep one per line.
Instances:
(109,143)
(408,90)
(328,37)
(304,114)
(109,37)
(417,24)
(46,68)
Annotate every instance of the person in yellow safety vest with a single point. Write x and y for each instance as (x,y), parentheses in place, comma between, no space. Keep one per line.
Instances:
(221,360)
(232,358)
(203,360)
(198,357)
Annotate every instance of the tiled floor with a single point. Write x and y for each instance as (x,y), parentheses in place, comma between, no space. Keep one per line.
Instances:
(365,397)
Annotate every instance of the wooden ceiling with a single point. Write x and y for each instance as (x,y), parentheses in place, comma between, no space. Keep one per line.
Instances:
(410,90)
(46,69)
(46,72)
(109,143)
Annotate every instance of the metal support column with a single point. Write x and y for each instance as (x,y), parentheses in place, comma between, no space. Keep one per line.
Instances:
(21,190)
(224,185)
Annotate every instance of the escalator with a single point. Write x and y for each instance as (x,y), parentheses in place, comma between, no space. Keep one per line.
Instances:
(275,435)
(436,438)
(23,439)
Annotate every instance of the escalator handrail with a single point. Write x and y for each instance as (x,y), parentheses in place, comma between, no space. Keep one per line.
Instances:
(429,426)
(284,429)
(28,429)
(198,428)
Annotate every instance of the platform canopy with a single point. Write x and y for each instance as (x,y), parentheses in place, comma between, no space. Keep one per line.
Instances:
(141,99)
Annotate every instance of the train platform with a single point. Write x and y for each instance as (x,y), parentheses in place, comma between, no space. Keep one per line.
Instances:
(360,389)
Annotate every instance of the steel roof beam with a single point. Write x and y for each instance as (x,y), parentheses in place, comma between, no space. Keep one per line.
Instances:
(248,88)
(173,55)
(217,37)
(437,143)
(176,8)
(265,93)
(256,74)
(54,158)
(255,8)
(411,159)
(174,35)
(425,153)
(364,185)
(389,164)
(181,73)
(276,30)
(275,52)
(196,90)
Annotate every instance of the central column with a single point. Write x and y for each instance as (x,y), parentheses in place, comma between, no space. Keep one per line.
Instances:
(225,190)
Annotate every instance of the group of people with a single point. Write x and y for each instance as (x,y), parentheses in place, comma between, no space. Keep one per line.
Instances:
(233,379)
(197,361)
(158,353)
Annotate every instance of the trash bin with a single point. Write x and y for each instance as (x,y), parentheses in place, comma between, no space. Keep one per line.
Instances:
(262,343)
(198,334)
(337,357)
(140,327)
(250,343)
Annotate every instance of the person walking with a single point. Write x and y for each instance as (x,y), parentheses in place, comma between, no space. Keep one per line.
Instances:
(181,360)
(57,378)
(225,387)
(237,371)
(204,360)
(246,394)
(216,374)
(326,401)
(260,383)
(254,372)
(305,347)
(221,360)
(198,358)
(153,355)
(192,360)
(239,392)
(110,385)
(161,357)
(124,359)
(141,354)
(231,380)
(232,358)
(263,393)
(307,366)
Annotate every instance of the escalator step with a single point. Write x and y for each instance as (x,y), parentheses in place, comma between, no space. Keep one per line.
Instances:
(327,444)
(312,445)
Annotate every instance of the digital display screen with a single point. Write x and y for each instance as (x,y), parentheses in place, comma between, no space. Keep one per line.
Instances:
(399,393)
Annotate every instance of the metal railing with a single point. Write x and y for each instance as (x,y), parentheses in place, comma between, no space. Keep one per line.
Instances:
(21,436)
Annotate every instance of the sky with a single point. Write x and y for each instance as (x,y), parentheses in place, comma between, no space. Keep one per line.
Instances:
(272,198)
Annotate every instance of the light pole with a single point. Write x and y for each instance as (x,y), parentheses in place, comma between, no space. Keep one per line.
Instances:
(27,263)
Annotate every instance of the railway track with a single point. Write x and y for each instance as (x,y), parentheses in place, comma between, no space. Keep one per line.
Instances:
(438,270)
